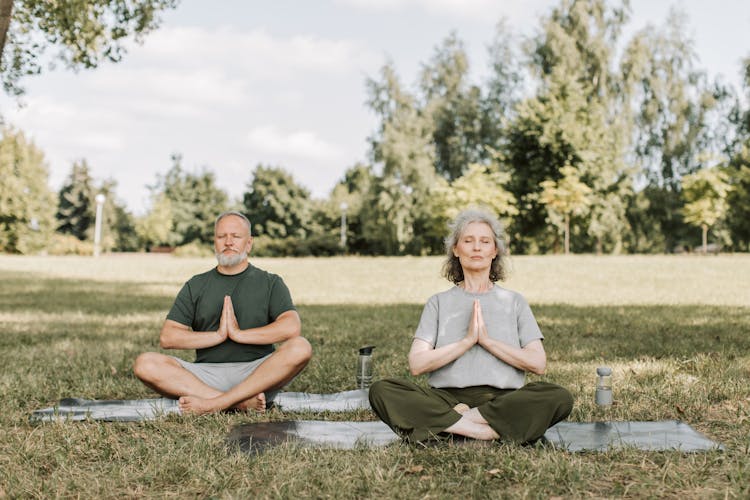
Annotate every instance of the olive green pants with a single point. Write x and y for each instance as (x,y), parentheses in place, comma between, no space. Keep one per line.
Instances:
(520,415)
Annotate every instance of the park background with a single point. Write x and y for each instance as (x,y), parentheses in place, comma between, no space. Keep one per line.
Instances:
(577,124)
(614,139)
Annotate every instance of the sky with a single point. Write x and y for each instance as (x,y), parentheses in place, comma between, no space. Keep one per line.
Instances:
(231,84)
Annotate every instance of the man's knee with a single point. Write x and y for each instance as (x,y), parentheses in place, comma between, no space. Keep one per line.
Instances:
(297,349)
(146,365)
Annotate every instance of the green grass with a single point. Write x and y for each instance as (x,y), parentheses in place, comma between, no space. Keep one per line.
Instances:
(676,331)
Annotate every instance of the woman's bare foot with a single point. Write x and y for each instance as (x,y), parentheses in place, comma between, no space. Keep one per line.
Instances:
(474,430)
(256,403)
(461,408)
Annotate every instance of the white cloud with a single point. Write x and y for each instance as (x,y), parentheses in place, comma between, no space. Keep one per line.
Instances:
(303,144)
(488,10)
(256,53)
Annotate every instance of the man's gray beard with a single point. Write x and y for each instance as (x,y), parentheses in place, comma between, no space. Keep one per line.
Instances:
(230,260)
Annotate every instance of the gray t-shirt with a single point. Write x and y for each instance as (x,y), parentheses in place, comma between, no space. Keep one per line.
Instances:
(445,319)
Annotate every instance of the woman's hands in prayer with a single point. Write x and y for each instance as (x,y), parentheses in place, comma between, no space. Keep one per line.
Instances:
(477,331)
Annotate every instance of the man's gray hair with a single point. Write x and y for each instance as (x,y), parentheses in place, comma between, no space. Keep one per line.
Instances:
(236,214)
(452,269)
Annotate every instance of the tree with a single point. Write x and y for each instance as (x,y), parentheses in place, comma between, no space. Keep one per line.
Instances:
(76,212)
(277,205)
(574,119)
(565,198)
(677,114)
(738,151)
(84,32)
(155,228)
(26,204)
(397,209)
(353,190)
(195,201)
(480,186)
(454,107)
(705,193)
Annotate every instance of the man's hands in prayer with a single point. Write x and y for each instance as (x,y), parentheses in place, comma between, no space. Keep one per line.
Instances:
(228,326)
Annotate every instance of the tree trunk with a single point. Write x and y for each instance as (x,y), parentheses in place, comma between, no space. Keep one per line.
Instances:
(6,9)
(567,234)
(705,239)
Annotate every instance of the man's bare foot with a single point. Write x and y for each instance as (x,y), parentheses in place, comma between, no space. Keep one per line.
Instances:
(256,403)
(461,408)
(198,406)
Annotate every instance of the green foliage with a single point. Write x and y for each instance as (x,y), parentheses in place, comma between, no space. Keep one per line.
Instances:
(480,186)
(80,33)
(455,109)
(576,118)
(564,199)
(155,227)
(67,244)
(353,191)
(76,210)
(26,203)
(319,245)
(194,201)
(397,204)
(705,192)
(194,249)
(277,205)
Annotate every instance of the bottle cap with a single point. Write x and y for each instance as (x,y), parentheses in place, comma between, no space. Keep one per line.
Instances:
(367,350)
(604,371)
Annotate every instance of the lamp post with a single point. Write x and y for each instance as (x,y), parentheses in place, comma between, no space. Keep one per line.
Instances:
(343,208)
(100,198)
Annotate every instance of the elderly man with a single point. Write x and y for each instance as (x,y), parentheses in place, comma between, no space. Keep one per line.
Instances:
(232,316)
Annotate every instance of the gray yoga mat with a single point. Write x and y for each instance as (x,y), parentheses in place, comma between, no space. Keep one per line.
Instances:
(569,436)
(134,410)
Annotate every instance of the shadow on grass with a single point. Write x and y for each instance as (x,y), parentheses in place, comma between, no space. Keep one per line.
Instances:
(95,315)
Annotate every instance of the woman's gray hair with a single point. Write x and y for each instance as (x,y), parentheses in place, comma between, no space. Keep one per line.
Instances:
(236,214)
(452,269)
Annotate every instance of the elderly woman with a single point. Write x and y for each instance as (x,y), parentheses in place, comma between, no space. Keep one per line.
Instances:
(476,341)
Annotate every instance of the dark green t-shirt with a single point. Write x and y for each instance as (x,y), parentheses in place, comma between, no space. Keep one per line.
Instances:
(258,297)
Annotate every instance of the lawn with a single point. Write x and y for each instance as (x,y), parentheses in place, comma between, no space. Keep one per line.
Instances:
(675,330)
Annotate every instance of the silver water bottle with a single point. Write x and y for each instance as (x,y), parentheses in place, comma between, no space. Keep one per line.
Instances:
(603,396)
(364,367)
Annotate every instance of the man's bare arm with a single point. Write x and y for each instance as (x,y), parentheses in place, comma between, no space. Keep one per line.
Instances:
(175,335)
(286,326)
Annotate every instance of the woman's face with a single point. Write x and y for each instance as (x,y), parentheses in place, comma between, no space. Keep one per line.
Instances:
(475,248)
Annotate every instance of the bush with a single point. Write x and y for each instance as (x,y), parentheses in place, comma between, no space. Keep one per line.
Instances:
(193,249)
(317,245)
(67,244)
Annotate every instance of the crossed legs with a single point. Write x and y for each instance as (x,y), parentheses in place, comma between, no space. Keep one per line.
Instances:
(167,377)
(421,413)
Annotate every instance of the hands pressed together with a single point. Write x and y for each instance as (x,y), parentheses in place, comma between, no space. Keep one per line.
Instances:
(228,325)
(477,331)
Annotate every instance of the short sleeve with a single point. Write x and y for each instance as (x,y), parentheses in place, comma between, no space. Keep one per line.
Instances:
(528,329)
(428,324)
(183,311)
(281,300)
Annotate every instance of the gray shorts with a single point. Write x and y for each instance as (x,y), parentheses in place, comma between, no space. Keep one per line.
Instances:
(224,376)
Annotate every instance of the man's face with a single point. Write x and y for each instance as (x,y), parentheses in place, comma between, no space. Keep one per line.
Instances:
(232,241)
